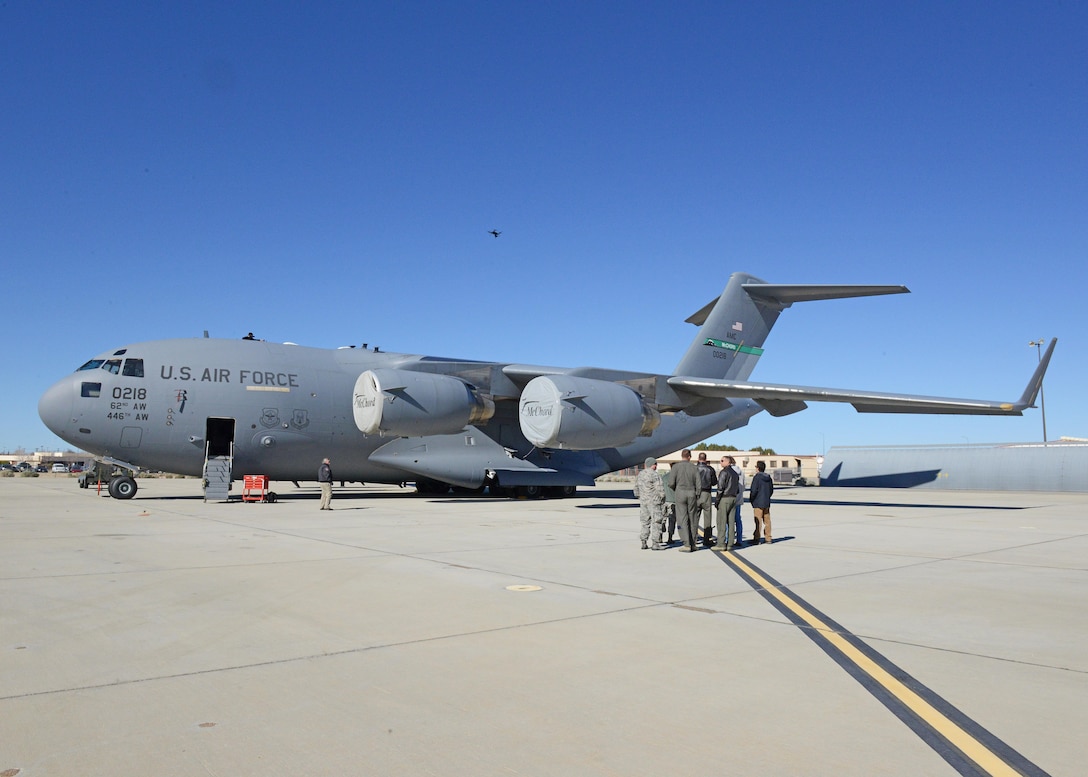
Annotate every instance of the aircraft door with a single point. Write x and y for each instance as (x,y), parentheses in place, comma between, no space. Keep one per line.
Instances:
(220,436)
(131,436)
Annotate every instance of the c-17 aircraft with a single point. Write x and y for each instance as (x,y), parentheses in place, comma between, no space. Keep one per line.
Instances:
(226,408)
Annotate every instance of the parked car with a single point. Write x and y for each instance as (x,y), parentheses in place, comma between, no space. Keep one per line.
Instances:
(60,468)
(41,468)
(7,468)
(75,469)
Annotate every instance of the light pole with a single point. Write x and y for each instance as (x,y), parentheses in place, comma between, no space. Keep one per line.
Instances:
(1038,345)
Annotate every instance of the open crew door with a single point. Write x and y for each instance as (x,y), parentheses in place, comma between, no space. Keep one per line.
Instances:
(218,459)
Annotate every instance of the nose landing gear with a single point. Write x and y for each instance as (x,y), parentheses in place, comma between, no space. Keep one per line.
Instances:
(117,483)
(123,487)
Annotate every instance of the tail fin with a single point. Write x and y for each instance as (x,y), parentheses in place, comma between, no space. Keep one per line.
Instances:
(733,328)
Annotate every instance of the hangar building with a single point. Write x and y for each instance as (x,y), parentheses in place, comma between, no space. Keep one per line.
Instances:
(1051,466)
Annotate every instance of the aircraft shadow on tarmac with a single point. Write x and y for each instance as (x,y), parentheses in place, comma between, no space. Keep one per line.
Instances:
(858,503)
(282,497)
(608,507)
(621,495)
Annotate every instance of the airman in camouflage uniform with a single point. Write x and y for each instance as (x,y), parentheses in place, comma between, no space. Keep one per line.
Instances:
(651,500)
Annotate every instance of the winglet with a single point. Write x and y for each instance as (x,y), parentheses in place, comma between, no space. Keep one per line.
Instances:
(1027,399)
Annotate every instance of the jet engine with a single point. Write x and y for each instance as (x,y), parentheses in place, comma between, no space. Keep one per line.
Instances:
(563,411)
(416,404)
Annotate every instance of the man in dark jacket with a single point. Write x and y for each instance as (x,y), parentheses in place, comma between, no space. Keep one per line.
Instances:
(759,494)
(324,479)
(726,502)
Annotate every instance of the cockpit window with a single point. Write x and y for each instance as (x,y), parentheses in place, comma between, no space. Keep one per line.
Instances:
(134,368)
(91,390)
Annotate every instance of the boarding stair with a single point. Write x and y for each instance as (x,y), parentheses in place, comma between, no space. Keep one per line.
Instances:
(217,471)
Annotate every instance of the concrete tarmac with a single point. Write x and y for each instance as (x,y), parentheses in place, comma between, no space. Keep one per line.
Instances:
(884,632)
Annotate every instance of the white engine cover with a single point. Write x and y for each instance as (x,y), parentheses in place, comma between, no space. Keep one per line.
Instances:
(416,404)
(562,411)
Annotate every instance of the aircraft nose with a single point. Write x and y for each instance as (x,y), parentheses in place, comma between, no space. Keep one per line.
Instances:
(55,408)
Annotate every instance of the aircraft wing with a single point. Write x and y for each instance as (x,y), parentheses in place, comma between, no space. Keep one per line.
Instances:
(789,399)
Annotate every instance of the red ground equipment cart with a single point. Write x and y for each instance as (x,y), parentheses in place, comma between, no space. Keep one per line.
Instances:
(255,489)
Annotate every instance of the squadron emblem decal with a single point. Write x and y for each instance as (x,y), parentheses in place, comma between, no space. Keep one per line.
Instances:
(733,346)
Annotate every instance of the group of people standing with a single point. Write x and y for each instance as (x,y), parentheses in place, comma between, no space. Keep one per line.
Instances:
(692,487)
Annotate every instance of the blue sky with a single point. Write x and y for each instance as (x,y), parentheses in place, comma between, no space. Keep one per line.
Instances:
(326,174)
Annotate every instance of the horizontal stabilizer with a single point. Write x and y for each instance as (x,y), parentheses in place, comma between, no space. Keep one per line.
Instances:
(782,295)
(786,294)
(866,401)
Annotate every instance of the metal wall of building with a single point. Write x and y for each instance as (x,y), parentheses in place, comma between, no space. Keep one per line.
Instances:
(998,467)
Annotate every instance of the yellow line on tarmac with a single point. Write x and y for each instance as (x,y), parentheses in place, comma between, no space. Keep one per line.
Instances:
(940,723)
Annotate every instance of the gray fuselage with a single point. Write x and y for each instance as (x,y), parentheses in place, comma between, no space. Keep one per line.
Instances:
(278,409)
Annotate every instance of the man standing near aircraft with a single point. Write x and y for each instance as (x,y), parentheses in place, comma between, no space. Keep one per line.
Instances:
(650,493)
(740,500)
(707,479)
(760,497)
(324,479)
(726,504)
(684,480)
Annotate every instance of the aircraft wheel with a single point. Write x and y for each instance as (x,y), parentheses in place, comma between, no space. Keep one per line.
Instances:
(561,491)
(530,492)
(270,497)
(123,487)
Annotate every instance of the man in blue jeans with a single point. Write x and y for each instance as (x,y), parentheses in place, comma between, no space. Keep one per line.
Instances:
(740,499)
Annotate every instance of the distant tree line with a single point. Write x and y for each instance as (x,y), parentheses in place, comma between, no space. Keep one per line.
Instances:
(716,447)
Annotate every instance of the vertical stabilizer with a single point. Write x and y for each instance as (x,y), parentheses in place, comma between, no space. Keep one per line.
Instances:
(733,328)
